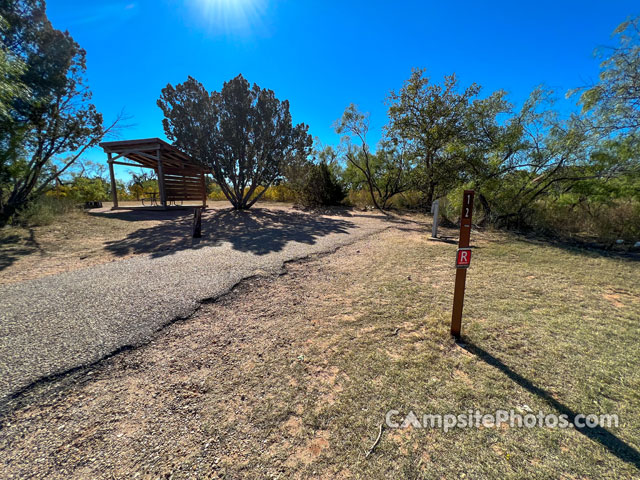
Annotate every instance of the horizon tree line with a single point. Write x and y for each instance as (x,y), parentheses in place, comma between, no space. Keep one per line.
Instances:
(439,137)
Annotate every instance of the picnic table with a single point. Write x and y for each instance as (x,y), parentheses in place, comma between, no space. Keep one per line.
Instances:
(152,199)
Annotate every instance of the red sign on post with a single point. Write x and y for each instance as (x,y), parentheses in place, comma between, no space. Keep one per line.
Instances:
(463,259)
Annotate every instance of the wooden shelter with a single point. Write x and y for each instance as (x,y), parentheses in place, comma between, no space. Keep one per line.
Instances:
(180,178)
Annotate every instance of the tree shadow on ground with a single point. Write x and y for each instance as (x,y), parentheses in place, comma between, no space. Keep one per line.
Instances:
(15,246)
(259,231)
(611,442)
(581,247)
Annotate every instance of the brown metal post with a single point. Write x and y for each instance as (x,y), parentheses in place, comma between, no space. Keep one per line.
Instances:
(114,187)
(461,273)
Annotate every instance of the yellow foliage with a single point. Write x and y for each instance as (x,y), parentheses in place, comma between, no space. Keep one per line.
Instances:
(276,193)
(60,191)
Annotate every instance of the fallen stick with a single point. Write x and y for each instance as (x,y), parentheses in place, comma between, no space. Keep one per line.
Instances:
(375,444)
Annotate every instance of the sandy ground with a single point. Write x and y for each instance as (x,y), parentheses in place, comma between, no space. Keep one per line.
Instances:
(85,239)
(209,395)
(61,321)
(289,375)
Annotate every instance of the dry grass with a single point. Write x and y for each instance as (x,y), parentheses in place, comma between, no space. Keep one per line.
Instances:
(73,241)
(289,377)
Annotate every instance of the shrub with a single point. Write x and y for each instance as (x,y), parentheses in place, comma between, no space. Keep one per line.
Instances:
(275,193)
(216,194)
(44,211)
(81,190)
(409,200)
(320,187)
(571,217)
(279,193)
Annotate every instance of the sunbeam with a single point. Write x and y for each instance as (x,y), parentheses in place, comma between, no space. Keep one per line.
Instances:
(230,16)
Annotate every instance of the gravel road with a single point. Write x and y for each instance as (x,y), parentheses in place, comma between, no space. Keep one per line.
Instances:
(53,324)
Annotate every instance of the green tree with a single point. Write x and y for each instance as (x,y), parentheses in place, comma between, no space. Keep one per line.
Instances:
(330,156)
(428,118)
(320,186)
(615,100)
(385,173)
(43,135)
(611,112)
(90,189)
(11,86)
(245,134)
(142,183)
(514,158)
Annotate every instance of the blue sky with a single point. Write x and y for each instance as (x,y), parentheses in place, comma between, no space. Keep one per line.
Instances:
(323,55)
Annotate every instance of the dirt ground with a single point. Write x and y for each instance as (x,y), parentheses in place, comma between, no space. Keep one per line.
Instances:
(291,376)
(84,239)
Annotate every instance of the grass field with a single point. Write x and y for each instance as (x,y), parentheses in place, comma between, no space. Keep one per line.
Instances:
(291,376)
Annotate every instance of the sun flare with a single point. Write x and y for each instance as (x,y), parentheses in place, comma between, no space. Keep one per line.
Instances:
(230,15)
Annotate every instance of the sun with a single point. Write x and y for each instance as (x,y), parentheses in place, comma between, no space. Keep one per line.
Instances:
(229,16)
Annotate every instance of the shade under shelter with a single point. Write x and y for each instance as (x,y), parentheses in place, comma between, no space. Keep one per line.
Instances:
(180,178)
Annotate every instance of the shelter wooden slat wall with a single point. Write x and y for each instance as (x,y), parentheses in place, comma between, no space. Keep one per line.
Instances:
(179,176)
(183,187)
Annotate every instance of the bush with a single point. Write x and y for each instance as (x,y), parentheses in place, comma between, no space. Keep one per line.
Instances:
(279,193)
(275,193)
(409,200)
(82,190)
(320,187)
(358,198)
(563,215)
(216,194)
(44,211)
(571,217)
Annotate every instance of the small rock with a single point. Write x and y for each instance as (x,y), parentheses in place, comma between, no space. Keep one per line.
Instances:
(525,408)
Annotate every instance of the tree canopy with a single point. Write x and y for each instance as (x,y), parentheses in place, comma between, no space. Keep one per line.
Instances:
(385,173)
(615,99)
(245,134)
(429,118)
(52,115)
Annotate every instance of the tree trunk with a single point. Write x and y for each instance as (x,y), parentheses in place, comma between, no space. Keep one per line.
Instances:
(486,207)
(372,193)
(258,196)
(7,211)
(430,192)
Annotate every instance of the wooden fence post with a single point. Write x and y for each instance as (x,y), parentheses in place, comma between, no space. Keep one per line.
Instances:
(463,260)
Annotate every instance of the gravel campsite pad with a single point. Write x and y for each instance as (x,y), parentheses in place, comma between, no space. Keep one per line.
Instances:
(290,375)
(58,322)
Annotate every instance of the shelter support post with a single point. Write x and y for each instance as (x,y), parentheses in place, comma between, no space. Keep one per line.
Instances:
(163,196)
(204,190)
(114,188)
(180,178)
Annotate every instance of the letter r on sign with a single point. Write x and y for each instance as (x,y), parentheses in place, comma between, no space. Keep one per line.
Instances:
(463,259)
